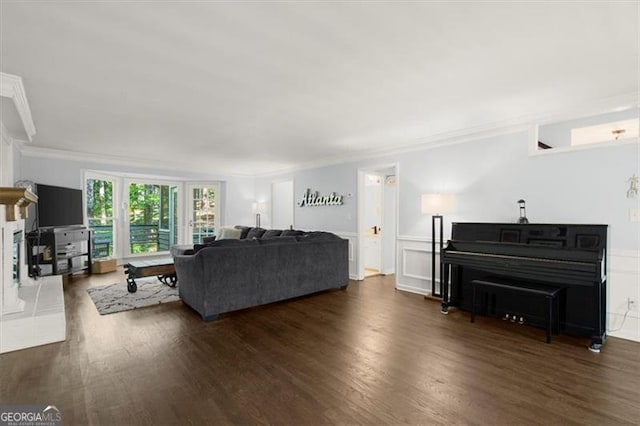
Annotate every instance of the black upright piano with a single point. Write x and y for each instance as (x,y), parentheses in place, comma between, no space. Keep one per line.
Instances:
(571,257)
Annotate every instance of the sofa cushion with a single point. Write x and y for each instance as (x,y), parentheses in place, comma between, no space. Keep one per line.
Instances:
(245,230)
(198,247)
(179,249)
(233,243)
(291,233)
(228,234)
(229,242)
(207,240)
(277,240)
(318,236)
(271,233)
(255,233)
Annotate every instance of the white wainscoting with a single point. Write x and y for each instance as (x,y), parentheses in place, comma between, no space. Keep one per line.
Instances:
(353,255)
(623,282)
(414,264)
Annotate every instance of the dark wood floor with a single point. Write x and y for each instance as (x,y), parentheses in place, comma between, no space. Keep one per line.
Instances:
(369,355)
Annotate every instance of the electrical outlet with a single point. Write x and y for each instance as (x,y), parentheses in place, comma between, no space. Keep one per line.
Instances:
(632,305)
(634,215)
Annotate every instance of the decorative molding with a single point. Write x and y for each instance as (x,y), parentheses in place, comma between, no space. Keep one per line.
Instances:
(404,264)
(414,238)
(468,134)
(138,163)
(350,236)
(430,142)
(11,87)
(599,106)
(59,154)
(412,289)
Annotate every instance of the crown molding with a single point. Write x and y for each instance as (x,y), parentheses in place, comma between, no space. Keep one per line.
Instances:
(469,134)
(459,136)
(429,142)
(599,106)
(11,87)
(83,157)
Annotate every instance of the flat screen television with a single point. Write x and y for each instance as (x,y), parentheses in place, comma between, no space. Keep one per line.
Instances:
(58,206)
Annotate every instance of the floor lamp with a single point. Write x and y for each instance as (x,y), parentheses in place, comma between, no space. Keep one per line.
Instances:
(435,205)
(257,208)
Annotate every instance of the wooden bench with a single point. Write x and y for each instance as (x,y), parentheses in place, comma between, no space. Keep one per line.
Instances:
(550,294)
(162,268)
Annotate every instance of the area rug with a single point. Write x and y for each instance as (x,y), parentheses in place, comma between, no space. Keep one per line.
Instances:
(114,298)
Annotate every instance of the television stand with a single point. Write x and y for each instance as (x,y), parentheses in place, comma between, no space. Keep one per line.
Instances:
(59,251)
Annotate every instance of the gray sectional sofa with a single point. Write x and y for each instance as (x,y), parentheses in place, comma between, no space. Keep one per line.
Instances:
(228,275)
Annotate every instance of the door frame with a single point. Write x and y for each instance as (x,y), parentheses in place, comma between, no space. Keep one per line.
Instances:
(187,229)
(126,237)
(293,201)
(362,171)
(116,196)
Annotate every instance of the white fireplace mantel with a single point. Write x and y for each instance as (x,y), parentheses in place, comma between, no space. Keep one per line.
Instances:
(16,201)
(32,312)
(11,301)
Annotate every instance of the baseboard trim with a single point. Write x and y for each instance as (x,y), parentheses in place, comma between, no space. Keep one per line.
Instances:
(412,289)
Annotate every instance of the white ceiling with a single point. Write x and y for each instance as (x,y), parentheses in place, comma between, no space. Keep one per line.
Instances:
(254,87)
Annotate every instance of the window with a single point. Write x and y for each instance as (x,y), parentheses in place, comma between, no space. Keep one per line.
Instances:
(136,215)
(619,126)
(99,210)
(152,212)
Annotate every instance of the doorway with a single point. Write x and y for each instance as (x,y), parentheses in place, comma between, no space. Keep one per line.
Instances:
(282,205)
(377,223)
(203,210)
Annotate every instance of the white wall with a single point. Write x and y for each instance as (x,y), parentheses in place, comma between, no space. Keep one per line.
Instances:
(340,179)
(237,192)
(282,204)
(488,176)
(389,227)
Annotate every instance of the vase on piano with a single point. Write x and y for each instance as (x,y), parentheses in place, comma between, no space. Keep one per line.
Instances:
(523,212)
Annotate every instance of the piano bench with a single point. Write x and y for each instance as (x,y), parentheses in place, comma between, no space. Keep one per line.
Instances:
(549,293)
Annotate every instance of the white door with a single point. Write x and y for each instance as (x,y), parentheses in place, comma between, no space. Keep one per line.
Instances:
(372,224)
(282,205)
(377,207)
(101,214)
(203,210)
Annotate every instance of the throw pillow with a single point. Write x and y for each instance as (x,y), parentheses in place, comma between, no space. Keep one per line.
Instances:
(255,233)
(228,234)
(245,230)
(207,240)
(271,233)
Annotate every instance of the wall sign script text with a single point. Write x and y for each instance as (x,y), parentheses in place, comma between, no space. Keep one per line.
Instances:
(314,199)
